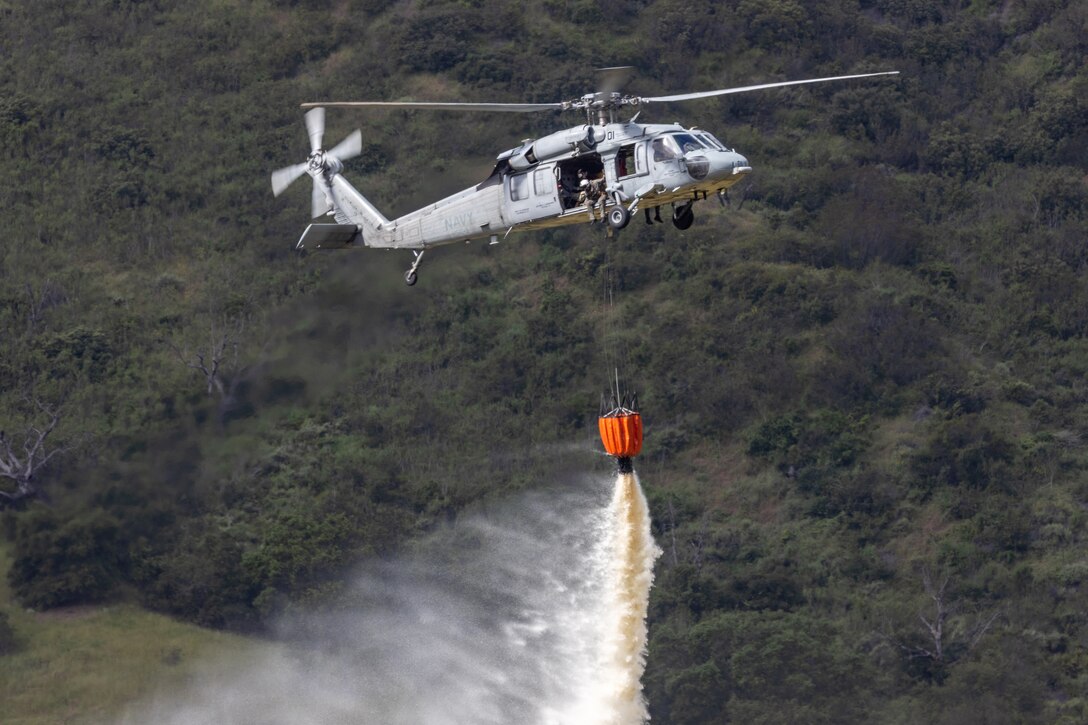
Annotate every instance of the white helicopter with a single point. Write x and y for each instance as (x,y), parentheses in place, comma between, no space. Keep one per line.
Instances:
(540,184)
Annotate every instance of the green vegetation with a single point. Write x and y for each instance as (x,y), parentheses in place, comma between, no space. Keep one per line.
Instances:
(863,380)
(85,664)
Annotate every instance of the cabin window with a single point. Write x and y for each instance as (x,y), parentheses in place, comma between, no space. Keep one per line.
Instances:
(625,161)
(543,182)
(519,187)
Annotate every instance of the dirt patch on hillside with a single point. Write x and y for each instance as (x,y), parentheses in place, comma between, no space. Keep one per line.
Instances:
(78,611)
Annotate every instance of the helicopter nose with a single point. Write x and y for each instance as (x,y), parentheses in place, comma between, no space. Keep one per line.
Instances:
(698,166)
(725,164)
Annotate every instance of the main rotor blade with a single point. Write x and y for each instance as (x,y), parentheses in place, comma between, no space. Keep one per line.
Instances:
(612,80)
(282,178)
(315,126)
(725,91)
(498,107)
(349,148)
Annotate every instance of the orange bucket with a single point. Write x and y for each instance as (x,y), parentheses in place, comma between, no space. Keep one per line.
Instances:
(621,434)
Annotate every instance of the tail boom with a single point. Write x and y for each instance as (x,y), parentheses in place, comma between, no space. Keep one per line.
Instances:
(351,207)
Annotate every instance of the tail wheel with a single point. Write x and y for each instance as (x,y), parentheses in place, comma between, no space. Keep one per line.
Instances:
(618,217)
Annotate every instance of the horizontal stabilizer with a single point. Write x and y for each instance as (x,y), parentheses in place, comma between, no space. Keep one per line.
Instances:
(329,236)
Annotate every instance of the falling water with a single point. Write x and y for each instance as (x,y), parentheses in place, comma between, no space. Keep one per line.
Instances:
(631,572)
(531,612)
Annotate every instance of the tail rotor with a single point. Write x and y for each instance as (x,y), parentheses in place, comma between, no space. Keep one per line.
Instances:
(315,127)
(322,165)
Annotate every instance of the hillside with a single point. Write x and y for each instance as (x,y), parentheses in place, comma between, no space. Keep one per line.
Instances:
(863,379)
(86,663)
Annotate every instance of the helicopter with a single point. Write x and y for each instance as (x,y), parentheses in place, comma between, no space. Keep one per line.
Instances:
(546,182)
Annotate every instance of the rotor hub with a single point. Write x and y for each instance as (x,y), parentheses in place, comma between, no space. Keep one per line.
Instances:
(323,162)
(600,100)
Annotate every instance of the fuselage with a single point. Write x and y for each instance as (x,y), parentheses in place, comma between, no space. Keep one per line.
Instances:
(536,185)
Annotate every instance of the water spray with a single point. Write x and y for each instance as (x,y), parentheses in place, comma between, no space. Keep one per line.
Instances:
(632,554)
(533,613)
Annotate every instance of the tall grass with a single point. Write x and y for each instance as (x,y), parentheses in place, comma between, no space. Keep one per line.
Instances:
(85,664)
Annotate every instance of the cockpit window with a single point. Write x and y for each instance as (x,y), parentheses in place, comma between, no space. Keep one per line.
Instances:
(676,145)
(711,141)
(688,142)
(665,148)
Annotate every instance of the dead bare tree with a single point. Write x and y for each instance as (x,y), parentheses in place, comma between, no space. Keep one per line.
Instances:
(699,541)
(934,626)
(217,361)
(941,633)
(41,300)
(22,467)
(742,192)
(210,360)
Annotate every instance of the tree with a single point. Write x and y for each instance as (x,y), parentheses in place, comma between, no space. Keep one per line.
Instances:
(20,468)
(217,361)
(948,633)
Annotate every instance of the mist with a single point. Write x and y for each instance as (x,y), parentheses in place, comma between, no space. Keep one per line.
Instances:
(508,615)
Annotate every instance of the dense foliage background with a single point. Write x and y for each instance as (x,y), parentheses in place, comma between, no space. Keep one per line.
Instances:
(864,380)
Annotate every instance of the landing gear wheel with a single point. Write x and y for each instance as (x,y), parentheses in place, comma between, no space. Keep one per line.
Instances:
(410,276)
(683,218)
(618,217)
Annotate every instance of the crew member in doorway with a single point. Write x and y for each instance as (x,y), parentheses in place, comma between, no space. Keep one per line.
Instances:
(592,193)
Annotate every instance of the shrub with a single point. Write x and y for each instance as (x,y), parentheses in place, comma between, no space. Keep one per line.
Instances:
(65,561)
